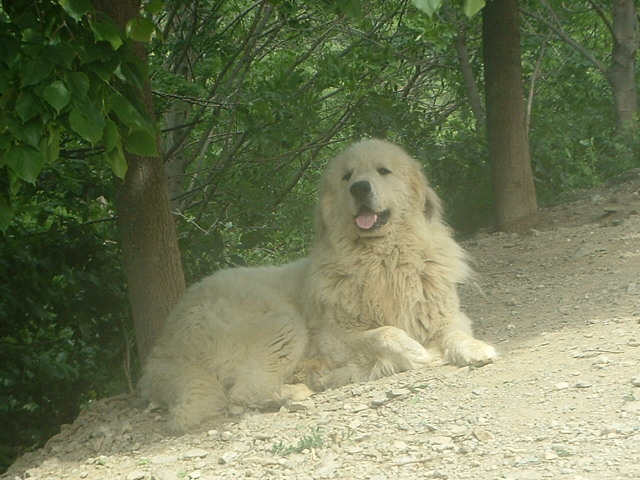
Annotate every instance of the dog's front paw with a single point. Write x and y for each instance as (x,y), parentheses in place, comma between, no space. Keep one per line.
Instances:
(396,347)
(470,352)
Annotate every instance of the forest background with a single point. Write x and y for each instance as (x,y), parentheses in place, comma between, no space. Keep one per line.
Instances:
(250,99)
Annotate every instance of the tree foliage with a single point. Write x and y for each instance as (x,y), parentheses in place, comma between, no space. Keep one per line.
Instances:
(64,331)
(68,73)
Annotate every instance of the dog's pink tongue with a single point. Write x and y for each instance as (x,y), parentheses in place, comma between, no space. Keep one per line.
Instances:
(366,221)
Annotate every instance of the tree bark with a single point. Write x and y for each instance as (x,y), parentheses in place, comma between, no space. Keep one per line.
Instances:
(470,85)
(512,177)
(152,261)
(621,73)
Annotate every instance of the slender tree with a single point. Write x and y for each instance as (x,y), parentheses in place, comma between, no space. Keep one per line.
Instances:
(151,255)
(512,177)
(620,72)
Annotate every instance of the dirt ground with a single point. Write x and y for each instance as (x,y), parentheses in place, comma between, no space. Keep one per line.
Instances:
(561,303)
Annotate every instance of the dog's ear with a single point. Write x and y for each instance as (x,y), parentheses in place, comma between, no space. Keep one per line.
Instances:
(432,203)
(432,206)
(319,222)
(323,207)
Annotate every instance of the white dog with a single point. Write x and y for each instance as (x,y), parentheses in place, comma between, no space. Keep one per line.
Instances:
(376,296)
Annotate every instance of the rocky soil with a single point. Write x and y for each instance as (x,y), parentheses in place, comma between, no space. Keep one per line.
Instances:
(562,304)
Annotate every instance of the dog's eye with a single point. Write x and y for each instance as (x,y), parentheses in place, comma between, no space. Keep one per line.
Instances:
(347,176)
(384,171)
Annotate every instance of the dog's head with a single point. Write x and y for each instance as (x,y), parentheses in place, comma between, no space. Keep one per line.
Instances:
(373,188)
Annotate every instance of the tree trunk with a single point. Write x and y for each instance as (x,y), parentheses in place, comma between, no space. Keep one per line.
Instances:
(466,69)
(621,73)
(177,114)
(470,85)
(512,177)
(151,255)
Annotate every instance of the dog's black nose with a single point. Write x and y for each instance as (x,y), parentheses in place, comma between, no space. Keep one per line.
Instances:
(360,190)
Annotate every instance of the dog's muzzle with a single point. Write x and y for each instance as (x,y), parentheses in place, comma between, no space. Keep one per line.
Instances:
(367,218)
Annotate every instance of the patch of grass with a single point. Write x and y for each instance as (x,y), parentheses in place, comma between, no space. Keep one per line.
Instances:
(314,440)
(561,452)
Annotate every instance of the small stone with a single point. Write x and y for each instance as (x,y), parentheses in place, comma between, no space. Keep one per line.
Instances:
(379,400)
(398,392)
(327,465)
(635,381)
(583,385)
(602,360)
(359,407)
(561,386)
(163,459)
(136,475)
(301,405)
(196,453)
(528,460)
(165,474)
(441,443)
(195,475)
(227,458)
(355,423)
(632,407)
(482,435)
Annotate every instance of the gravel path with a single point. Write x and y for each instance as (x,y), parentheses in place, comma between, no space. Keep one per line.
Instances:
(561,303)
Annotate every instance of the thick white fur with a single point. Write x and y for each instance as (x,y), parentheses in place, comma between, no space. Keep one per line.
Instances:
(364,304)
(234,340)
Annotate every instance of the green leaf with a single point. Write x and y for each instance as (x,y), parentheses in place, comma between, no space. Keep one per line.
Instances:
(78,82)
(113,149)
(57,95)
(86,121)
(34,70)
(95,52)
(107,31)
(6,213)
(141,142)
(50,146)
(111,138)
(127,113)
(140,29)
(25,161)
(27,105)
(427,6)
(28,132)
(9,50)
(5,141)
(61,54)
(471,7)
(76,8)
(105,70)
(118,162)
